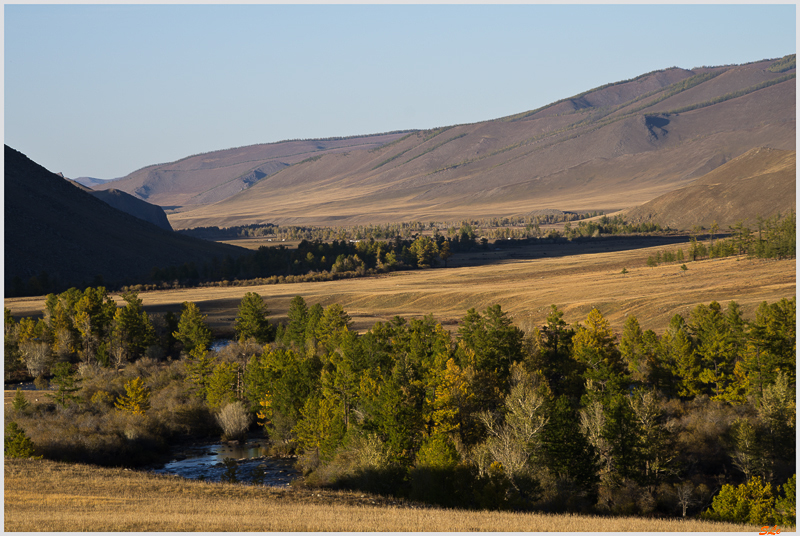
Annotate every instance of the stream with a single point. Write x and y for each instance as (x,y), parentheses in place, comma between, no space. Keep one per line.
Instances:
(207,462)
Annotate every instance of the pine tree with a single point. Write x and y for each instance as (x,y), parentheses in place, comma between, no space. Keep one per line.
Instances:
(66,382)
(16,443)
(298,318)
(19,403)
(193,332)
(251,322)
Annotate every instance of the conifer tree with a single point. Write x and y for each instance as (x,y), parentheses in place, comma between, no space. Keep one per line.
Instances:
(251,322)
(193,332)
(136,401)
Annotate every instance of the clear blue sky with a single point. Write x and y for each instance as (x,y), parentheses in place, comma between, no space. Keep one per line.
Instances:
(102,90)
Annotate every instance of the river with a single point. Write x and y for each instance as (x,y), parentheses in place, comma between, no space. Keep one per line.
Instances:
(207,462)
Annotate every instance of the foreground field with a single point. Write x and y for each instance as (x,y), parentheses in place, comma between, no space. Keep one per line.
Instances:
(524,282)
(41,495)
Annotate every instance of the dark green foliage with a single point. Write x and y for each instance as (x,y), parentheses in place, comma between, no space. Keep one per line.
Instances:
(568,454)
(298,318)
(131,331)
(193,332)
(784,64)
(402,410)
(66,384)
(17,444)
(251,322)
(19,403)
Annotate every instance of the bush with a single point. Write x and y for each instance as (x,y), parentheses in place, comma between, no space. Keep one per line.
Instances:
(751,502)
(234,421)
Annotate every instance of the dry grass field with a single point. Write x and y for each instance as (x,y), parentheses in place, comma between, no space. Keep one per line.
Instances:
(525,287)
(47,496)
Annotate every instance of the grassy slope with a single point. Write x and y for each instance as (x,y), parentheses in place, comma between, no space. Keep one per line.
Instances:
(586,277)
(47,496)
(760,182)
(603,157)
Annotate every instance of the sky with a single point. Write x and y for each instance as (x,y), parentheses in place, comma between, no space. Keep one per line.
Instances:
(104,90)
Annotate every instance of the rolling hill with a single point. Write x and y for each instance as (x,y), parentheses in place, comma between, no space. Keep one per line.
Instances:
(610,148)
(210,177)
(760,182)
(53,227)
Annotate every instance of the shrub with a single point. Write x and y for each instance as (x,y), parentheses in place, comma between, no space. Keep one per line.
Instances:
(234,420)
(751,502)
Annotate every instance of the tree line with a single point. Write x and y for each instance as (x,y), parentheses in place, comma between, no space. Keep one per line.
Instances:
(563,418)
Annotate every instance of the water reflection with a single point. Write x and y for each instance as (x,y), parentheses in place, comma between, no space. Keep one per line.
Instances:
(207,462)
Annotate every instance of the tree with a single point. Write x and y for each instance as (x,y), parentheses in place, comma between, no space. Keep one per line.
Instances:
(131,331)
(193,332)
(786,505)
(593,346)
(199,366)
(445,252)
(683,494)
(333,323)
(66,382)
(251,322)
(298,318)
(16,443)
(136,401)
(568,452)
(19,403)
(425,250)
(36,355)
(222,384)
(632,344)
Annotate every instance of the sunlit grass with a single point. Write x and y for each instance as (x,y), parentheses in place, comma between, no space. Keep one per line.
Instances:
(47,496)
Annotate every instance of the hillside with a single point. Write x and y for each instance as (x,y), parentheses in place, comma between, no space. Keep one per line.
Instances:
(610,148)
(53,227)
(89,182)
(127,203)
(761,182)
(210,177)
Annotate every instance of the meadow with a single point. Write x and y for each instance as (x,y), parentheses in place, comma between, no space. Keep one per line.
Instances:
(42,495)
(524,281)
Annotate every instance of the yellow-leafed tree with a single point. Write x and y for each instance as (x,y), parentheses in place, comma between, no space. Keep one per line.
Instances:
(137,400)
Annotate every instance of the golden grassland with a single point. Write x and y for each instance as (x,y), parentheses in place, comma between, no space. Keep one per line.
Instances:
(525,288)
(42,495)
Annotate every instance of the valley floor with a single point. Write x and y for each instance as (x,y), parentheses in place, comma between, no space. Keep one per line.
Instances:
(524,282)
(42,495)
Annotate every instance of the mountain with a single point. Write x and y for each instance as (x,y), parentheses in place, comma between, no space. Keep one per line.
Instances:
(609,148)
(211,177)
(90,182)
(760,182)
(132,205)
(53,227)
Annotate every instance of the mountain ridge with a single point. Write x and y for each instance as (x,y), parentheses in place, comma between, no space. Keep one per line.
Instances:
(613,147)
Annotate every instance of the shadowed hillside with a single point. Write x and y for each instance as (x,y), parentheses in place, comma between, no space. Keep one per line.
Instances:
(759,183)
(611,148)
(55,228)
(132,205)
